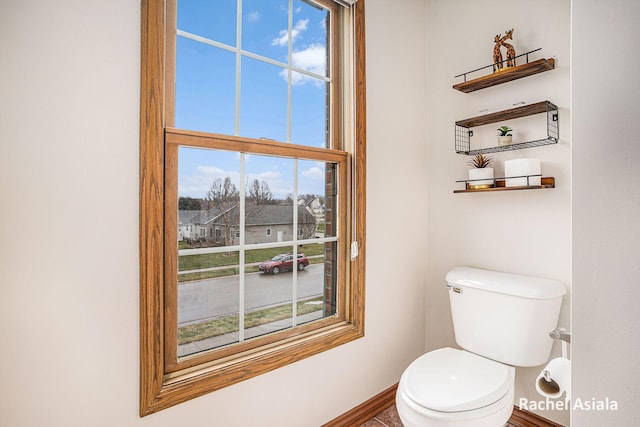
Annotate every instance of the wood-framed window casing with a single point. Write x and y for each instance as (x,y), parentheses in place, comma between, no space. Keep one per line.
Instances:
(164,380)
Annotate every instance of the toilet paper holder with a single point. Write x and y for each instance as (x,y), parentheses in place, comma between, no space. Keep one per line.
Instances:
(561,334)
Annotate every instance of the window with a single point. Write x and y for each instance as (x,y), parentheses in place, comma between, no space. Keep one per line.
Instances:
(252,123)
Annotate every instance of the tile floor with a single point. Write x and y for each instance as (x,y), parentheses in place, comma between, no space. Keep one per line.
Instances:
(387,418)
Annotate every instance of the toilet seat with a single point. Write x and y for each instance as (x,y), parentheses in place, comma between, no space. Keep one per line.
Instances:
(450,380)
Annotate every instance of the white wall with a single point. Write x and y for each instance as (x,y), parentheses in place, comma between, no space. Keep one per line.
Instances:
(525,232)
(69,163)
(606,209)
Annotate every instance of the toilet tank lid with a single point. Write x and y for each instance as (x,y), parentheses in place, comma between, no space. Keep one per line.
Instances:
(506,283)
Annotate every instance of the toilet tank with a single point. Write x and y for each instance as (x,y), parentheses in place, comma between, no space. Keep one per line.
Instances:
(505,317)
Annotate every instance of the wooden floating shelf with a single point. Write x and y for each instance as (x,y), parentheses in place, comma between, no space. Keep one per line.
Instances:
(546,182)
(506,75)
(463,133)
(513,113)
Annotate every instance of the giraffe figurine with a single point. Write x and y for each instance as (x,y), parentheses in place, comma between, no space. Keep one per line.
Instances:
(511,52)
(497,53)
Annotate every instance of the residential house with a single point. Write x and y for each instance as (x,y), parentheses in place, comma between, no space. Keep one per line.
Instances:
(263,224)
(315,206)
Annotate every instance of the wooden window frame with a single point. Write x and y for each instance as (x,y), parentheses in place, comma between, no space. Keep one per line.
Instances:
(161,384)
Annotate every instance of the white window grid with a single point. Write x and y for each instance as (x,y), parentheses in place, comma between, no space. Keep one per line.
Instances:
(242,247)
(240,53)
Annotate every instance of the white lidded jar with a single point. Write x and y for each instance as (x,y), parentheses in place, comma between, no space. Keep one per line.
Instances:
(523,169)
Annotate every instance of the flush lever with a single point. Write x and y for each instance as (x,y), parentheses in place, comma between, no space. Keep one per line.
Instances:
(455,289)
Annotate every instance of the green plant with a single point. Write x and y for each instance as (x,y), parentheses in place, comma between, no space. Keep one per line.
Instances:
(504,131)
(480,161)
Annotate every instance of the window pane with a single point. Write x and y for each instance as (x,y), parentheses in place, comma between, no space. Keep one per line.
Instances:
(311,280)
(205,87)
(310,48)
(317,183)
(269,199)
(268,293)
(309,121)
(208,301)
(208,217)
(213,178)
(263,101)
(318,189)
(265,28)
(215,20)
(311,195)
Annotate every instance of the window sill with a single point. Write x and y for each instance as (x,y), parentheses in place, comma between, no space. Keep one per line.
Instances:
(189,383)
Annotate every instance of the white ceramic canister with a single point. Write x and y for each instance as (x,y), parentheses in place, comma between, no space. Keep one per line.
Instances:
(522,168)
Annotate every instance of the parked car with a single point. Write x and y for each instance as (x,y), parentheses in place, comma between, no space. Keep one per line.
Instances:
(283,262)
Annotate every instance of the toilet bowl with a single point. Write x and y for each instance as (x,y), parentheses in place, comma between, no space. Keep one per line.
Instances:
(455,388)
(501,321)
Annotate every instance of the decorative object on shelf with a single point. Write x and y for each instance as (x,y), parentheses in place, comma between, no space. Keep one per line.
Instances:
(522,172)
(501,41)
(504,137)
(480,176)
(511,51)
(497,54)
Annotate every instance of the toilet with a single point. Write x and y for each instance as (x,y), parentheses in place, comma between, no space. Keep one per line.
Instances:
(501,321)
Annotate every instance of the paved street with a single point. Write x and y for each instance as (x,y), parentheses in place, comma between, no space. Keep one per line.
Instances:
(206,299)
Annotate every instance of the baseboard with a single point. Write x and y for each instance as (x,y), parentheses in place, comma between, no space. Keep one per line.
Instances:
(367,410)
(378,403)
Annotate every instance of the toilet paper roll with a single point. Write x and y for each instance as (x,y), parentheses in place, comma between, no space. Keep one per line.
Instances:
(555,379)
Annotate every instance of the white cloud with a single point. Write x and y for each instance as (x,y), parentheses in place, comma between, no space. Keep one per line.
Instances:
(264,176)
(198,185)
(312,58)
(253,16)
(314,173)
(279,186)
(300,26)
(215,172)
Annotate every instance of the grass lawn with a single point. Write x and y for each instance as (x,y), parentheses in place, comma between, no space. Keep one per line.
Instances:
(213,328)
(194,262)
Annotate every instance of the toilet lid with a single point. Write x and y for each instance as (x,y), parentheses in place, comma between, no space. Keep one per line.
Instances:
(450,380)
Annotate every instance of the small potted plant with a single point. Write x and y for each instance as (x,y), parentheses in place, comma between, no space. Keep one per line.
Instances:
(504,135)
(481,176)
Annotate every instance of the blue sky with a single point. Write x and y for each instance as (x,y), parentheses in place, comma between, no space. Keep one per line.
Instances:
(206,90)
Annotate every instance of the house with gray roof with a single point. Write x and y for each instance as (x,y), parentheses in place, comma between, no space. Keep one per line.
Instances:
(263,224)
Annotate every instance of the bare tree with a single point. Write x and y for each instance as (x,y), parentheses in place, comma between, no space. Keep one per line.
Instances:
(223,197)
(307,229)
(259,193)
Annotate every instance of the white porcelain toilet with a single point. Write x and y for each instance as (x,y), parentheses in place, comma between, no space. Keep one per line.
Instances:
(501,321)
